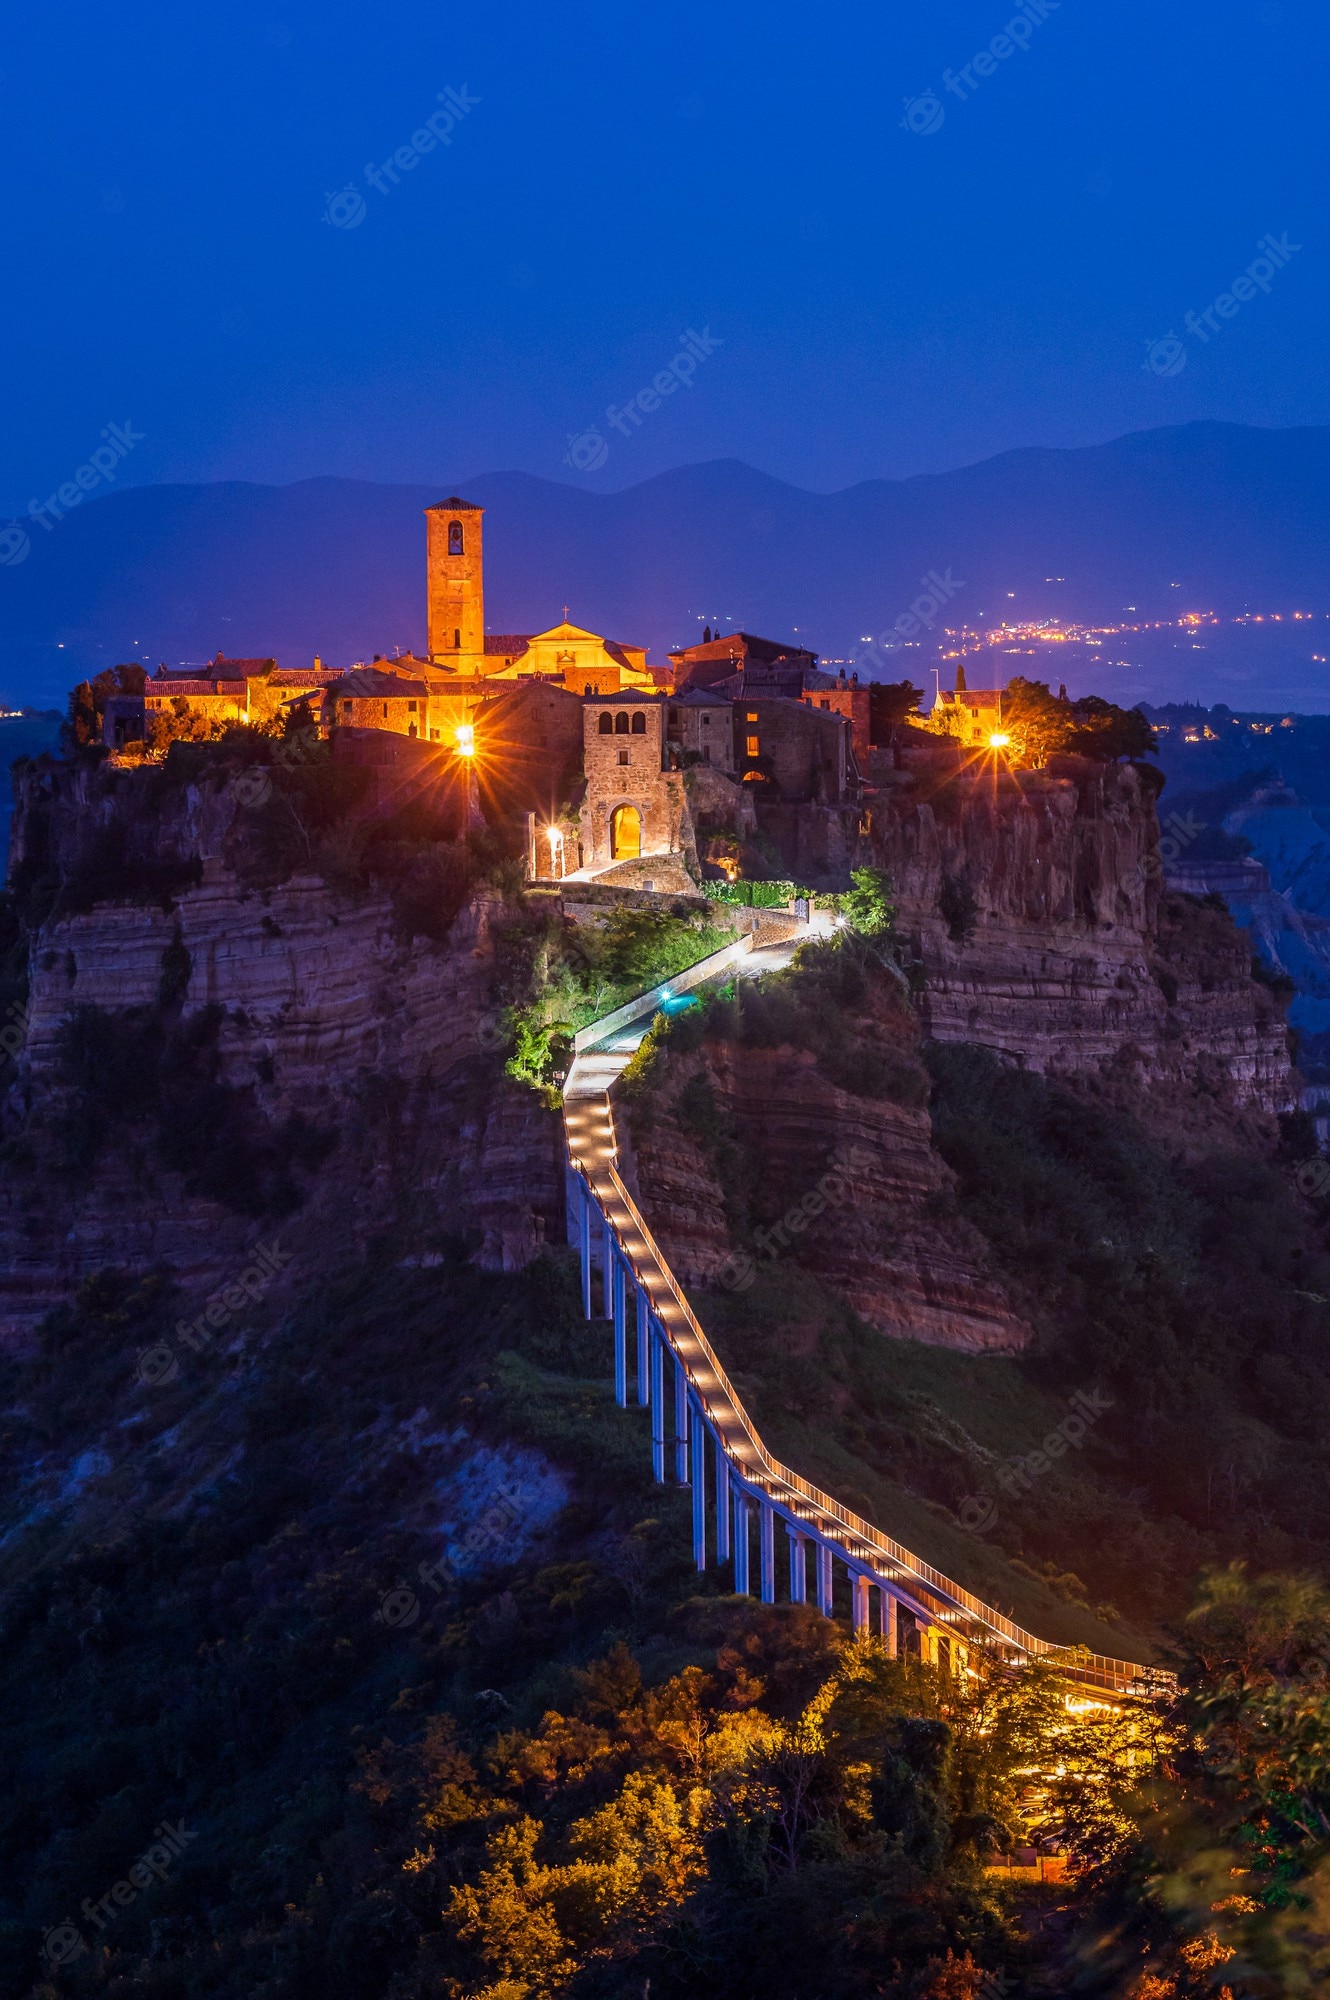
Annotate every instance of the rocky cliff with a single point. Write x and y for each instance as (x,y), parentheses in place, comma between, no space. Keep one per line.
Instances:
(845,1186)
(322,1019)
(1033,903)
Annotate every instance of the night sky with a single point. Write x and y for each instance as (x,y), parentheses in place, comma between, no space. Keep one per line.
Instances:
(884,297)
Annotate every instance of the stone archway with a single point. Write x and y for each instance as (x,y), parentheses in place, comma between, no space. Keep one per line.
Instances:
(625,833)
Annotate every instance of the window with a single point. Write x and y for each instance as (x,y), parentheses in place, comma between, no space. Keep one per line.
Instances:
(385,711)
(411,708)
(455,544)
(751,716)
(640,723)
(752,748)
(824,704)
(621,723)
(607,724)
(346,708)
(457,641)
(624,755)
(706,722)
(674,718)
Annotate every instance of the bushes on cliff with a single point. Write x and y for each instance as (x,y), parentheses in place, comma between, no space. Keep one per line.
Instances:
(1194,1290)
(142,1076)
(556,977)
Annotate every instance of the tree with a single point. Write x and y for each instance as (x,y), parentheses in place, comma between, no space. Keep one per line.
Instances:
(868,905)
(181,723)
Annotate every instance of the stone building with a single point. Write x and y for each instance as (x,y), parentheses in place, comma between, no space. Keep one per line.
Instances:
(375,698)
(782,669)
(796,754)
(458,644)
(972,715)
(848,699)
(633,807)
(699,728)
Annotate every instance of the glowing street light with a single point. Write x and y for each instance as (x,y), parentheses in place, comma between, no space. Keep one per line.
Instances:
(999,740)
(464,739)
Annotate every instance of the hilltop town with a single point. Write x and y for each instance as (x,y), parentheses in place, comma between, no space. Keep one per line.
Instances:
(736,756)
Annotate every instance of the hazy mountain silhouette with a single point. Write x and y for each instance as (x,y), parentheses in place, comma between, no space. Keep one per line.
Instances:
(1214,516)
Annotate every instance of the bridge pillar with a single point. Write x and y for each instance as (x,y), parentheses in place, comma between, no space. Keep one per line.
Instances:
(657,1405)
(887,1621)
(699,1461)
(584,1242)
(607,1255)
(825,1590)
(643,1348)
(680,1422)
(740,1543)
(767,1543)
(620,1332)
(572,1197)
(722,1503)
(859,1589)
(798,1566)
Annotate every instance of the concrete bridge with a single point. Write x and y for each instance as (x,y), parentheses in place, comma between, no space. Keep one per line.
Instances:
(703,1438)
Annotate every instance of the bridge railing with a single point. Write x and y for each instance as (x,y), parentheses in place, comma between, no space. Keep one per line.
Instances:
(725,1412)
(954,1596)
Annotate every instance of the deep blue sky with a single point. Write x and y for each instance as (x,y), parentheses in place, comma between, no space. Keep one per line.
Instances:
(887,302)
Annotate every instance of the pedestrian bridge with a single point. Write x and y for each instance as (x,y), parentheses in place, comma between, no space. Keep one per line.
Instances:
(703,1438)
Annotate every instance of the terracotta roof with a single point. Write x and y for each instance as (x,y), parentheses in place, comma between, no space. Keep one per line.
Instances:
(197,687)
(372,684)
(511,644)
(461,506)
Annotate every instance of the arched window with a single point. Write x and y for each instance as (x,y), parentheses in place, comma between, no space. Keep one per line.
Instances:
(607,724)
(640,723)
(621,723)
(455,538)
(625,834)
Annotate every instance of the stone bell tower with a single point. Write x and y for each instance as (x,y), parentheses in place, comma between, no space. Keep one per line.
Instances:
(455,586)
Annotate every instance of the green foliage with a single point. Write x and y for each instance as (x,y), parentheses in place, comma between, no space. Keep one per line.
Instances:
(869,906)
(753,895)
(557,977)
(1041,726)
(1193,1288)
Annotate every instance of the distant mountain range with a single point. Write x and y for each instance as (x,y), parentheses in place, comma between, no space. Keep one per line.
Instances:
(1213,516)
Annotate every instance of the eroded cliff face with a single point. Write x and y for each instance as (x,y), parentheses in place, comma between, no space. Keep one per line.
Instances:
(1034,908)
(782,1167)
(386,1049)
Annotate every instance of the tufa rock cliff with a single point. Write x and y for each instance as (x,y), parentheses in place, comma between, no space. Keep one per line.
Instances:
(1034,908)
(357,1067)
